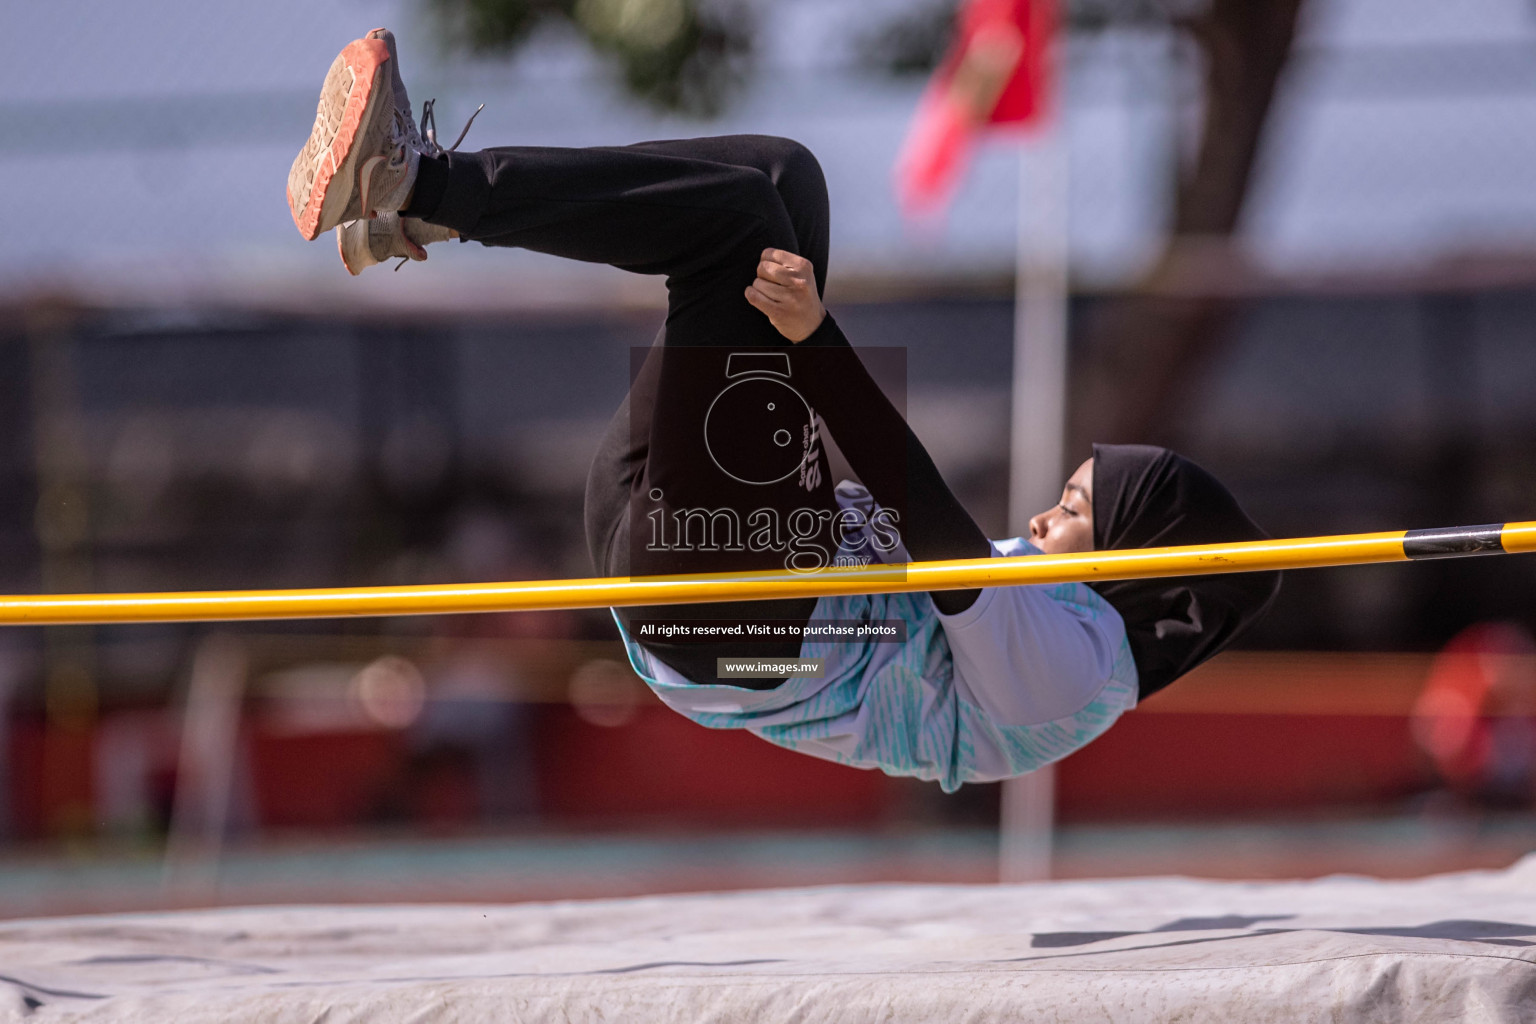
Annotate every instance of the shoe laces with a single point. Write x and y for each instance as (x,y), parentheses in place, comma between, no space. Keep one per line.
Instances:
(397,140)
(411,133)
(429,126)
(404,128)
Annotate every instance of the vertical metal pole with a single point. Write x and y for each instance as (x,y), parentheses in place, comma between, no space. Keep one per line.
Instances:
(205,771)
(1038,436)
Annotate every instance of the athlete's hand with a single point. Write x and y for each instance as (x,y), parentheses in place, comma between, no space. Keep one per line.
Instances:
(785,291)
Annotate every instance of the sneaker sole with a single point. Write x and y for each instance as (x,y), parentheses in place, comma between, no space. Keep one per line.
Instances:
(349,101)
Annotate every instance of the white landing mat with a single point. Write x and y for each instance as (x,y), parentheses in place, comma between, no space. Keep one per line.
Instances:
(1449,948)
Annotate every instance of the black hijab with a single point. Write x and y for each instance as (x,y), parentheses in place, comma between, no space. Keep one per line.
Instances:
(1150,497)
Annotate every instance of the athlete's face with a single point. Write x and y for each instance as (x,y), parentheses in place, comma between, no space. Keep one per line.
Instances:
(1068,526)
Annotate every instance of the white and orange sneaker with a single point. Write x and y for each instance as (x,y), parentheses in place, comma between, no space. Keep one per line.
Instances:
(365,243)
(368,242)
(361,156)
(413,135)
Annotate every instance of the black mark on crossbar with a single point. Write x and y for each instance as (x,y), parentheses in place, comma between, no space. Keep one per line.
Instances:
(1454,541)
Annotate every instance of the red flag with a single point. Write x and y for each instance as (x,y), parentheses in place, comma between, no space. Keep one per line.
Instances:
(996,73)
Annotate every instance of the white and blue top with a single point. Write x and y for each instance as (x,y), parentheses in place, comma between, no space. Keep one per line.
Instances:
(1020,679)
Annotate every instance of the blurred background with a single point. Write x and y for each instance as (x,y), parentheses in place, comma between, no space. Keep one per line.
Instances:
(1302,249)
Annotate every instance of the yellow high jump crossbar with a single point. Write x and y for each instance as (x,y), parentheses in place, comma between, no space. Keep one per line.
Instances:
(959,574)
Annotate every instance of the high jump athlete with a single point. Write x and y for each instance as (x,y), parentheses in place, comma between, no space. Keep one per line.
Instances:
(716,460)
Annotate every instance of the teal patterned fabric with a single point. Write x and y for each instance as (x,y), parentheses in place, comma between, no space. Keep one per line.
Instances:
(895,706)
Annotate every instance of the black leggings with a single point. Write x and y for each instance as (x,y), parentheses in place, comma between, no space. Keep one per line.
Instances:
(692,454)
